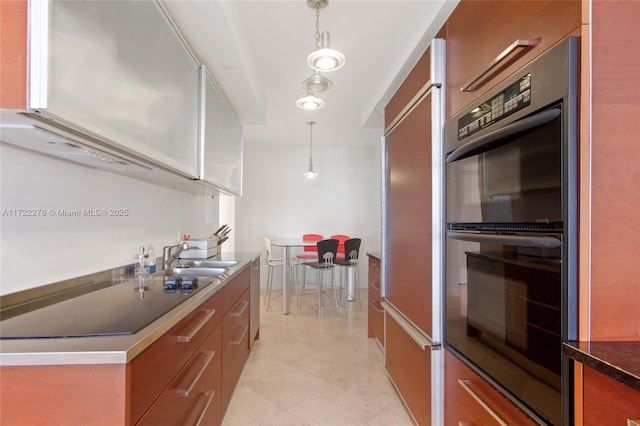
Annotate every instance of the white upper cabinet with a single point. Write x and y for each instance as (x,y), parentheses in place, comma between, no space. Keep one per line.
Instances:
(221,160)
(118,70)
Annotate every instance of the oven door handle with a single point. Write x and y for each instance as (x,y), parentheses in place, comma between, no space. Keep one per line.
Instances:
(538,241)
(500,137)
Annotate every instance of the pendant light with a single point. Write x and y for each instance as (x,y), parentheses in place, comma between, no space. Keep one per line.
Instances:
(310,173)
(324,58)
(310,102)
(317,83)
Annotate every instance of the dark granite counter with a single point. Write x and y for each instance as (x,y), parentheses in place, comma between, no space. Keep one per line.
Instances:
(618,360)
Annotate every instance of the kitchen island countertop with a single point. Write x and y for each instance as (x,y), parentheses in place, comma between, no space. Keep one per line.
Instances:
(618,360)
(116,349)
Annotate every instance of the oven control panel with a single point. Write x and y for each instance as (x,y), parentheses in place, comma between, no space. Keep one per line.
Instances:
(512,99)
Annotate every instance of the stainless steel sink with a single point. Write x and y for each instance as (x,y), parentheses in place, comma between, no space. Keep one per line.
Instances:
(209,263)
(198,271)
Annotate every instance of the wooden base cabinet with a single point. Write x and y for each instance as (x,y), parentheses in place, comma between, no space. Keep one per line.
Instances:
(471,401)
(607,401)
(376,312)
(187,376)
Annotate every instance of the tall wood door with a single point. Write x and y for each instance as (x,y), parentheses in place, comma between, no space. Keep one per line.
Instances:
(408,151)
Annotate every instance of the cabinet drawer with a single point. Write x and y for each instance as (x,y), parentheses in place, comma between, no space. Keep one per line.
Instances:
(235,342)
(376,313)
(153,369)
(471,400)
(409,366)
(500,24)
(374,272)
(234,290)
(194,394)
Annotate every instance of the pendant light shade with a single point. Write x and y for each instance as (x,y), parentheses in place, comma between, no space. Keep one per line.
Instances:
(324,58)
(317,83)
(310,102)
(310,174)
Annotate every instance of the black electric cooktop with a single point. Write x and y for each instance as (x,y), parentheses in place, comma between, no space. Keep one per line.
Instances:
(118,309)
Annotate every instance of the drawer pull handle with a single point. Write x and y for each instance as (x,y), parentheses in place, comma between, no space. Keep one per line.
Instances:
(465,385)
(471,85)
(241,308)
(376,285)
(461,423)
(209,395)
(185,339)
(186,390)
(377,306)
(244,329)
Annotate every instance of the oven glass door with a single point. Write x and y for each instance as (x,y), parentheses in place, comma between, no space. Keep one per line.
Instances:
(514,179)
(504,315)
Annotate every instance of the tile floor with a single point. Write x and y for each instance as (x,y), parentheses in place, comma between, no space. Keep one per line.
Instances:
(310,371)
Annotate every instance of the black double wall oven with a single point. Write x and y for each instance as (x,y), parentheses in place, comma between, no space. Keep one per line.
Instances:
(511,182)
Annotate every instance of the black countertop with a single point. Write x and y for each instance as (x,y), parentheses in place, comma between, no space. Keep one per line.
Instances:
(107,347)
(618,360)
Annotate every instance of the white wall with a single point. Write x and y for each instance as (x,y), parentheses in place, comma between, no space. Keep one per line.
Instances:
(40,250)
(278,201)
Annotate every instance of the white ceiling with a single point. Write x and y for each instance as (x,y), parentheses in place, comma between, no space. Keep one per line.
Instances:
(256,52)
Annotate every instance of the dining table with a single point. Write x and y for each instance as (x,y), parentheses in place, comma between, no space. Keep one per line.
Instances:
(287,244)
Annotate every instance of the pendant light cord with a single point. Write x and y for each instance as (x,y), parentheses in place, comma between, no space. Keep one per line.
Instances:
(318,42)
(311,123)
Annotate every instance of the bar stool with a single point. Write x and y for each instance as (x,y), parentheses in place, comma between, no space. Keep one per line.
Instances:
(341,240)
(272,262)
(309,255)
(349,265)
(324,265)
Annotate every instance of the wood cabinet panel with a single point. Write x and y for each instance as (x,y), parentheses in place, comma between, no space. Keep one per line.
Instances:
(479,30)
(463,408)
(614,150)
(409,216)
(410,368)
(411,85)
(65,394)
(13,54)
(375,312)
(606,401)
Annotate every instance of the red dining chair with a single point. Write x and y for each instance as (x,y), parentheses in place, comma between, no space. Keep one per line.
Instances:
(341,240)
(314,238)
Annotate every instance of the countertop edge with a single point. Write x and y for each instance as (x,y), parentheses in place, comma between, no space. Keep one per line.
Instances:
(607,367)
(110,349)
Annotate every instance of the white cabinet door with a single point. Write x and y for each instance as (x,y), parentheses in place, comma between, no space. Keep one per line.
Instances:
(222,150)
(119,70)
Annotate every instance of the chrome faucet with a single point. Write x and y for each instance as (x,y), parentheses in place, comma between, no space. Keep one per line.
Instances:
(168,257)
